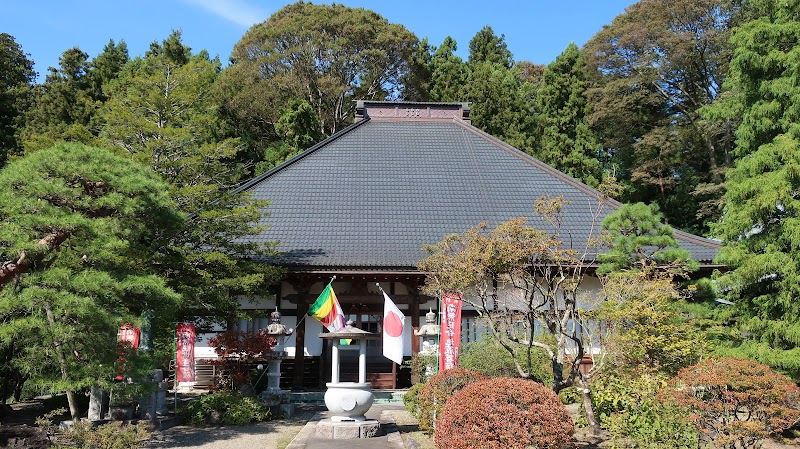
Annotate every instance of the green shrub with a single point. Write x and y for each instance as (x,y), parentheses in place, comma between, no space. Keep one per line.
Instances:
(115,435)
(570,395)
(419,364)
(504,413)
(438,389)
(735,402)
(628,409)
(225,408)
(411,399)
(485,356)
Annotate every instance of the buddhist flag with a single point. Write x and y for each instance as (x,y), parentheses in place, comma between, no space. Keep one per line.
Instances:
(393,320)
(327,310)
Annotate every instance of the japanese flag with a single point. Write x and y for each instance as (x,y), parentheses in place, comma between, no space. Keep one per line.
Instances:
(393,320)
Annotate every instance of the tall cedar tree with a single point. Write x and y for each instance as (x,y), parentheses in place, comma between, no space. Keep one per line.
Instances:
(161,113)
(16,81)
(79,231)
(497,91)
(448,73)
(66,105)
(564,138)
(652,71)
(759,223)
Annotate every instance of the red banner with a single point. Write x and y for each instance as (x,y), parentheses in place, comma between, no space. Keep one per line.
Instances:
(184,344)
(450,331)
(130,336)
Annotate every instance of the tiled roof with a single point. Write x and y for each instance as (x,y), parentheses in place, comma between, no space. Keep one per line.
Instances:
(372,195)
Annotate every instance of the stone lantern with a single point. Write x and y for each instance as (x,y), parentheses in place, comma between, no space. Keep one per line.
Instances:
(429,333)
(279,332)
(348,402)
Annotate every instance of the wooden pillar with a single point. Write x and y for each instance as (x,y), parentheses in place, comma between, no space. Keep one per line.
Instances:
(414,311)
(300,346)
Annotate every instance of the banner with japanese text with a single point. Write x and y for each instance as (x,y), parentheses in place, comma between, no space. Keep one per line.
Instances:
(129,334)
(127,342)
(450,331)
(184,343)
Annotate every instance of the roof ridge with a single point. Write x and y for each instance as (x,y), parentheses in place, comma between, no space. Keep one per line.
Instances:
(302,155)
(711,243)
(534,161)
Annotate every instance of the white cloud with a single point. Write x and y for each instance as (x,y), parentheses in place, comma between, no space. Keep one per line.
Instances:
(236,11)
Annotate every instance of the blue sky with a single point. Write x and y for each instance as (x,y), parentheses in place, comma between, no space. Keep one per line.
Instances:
(535,30)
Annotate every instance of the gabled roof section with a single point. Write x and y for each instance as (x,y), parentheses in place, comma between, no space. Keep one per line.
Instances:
(408,174)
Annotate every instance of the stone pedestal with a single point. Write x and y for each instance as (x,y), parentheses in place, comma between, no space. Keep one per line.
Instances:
(161,399)
(337,430)
(274,371)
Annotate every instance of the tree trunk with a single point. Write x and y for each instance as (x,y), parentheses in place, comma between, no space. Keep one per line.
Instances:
(588,408)
(62,364)
(4,391)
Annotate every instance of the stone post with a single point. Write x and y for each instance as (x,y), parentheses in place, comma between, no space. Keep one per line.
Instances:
(98,403)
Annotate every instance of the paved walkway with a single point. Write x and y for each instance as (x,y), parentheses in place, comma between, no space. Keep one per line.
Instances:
(299,432)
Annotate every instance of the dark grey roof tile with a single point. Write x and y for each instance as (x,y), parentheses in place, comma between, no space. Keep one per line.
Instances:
(374,194)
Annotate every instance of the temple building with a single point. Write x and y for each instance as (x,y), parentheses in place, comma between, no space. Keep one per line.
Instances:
(362,204)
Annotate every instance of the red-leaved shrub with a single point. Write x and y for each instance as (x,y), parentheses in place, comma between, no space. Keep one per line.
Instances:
(735,402)
(504,413)
(438,389)
(237,352)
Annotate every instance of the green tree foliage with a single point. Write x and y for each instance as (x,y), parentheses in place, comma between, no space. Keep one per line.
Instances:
(67,104)
(80,229)
(161,112)
(497,91)
(487,357)
(16,80)
(297,128)
(417,81)
(329,55)
(637,239)
(486,46)
(63,105)
(448,73)
(564,138)
(646,331)
(497,102)
(759,223)
(633,416)
(652,71)
(106,66)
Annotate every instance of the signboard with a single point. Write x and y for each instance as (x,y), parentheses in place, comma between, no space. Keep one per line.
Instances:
(450,331)
(184,357)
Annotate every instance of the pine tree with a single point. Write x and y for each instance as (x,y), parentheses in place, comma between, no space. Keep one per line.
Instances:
(80,232)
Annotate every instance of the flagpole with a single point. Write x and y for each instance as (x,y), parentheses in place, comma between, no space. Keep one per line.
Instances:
(439,334)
